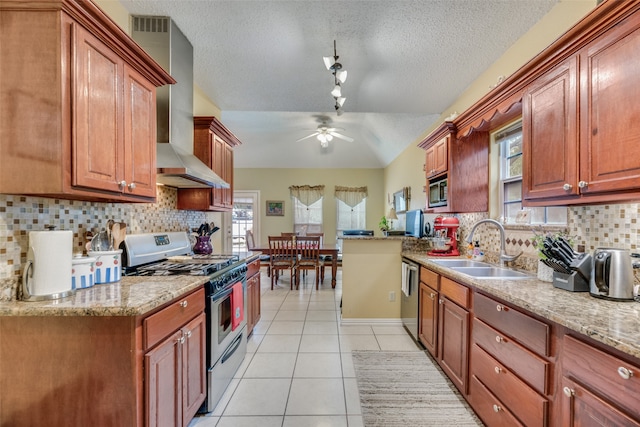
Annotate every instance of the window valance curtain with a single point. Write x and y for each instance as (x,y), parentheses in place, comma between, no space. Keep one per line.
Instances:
(351,196)
(307,194)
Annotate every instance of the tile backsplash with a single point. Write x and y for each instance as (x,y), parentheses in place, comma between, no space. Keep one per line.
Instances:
(21,214)
(591,226)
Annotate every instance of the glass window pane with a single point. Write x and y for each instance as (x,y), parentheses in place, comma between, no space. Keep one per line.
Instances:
(515,144)
(513,191)
(510,212)
(514,166)
(537,215)
(557,215)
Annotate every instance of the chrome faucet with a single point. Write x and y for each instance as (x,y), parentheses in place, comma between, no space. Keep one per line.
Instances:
(503,255)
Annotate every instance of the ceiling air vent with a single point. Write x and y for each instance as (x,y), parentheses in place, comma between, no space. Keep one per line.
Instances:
(151,24)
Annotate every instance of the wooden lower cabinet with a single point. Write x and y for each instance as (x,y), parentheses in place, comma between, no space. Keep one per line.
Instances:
(454,342)
(175,381)
(580,408)
(253,295)
(598,388)
(428,310)
(175,361)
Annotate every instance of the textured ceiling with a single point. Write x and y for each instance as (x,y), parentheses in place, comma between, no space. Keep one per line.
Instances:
(261,63)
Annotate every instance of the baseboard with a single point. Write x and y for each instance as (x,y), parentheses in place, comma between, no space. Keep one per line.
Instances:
(372,321)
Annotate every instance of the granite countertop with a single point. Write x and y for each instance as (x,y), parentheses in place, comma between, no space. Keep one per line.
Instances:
(614,323)
(131,296)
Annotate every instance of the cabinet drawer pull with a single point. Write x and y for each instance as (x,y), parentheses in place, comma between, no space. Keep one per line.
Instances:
(625,373)
(567,187)
(496,408)
(583,184)
(501,307)
(568,392)
(499,338)
(183,304)
(498,369)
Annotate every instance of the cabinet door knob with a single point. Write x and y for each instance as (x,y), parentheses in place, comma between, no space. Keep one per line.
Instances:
(567,187)
(440,301)
(181,339)
(497,408)
(625,373)
(183,304)
(122,184)
(568,392)
(188,334)
(432,295)
(499,338)
(500,307)
(132,186)
(583,184)
(498,369)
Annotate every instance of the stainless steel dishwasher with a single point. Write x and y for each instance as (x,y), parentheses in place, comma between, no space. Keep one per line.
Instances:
(409,295)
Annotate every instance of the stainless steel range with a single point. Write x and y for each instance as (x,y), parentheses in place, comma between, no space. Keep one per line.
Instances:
(161,254)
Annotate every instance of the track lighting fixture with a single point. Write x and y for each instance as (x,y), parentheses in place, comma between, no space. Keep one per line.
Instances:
(339,77)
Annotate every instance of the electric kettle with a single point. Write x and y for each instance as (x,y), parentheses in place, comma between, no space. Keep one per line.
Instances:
(612,275)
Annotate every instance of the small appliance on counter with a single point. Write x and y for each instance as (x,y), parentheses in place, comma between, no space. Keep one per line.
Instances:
(445,240)
(47,274)
(612,275)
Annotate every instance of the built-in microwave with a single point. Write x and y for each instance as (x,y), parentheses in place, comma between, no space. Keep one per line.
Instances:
(438,193)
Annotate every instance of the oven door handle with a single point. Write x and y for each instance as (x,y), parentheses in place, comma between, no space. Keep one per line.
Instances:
(231,349)
(222,294)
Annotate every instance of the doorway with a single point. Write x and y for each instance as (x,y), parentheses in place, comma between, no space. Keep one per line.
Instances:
(245,216)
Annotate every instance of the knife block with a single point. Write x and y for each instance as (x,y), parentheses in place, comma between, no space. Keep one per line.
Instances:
(570,282)
(578,280)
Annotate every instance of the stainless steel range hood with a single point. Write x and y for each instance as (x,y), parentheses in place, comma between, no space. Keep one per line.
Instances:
(161,38)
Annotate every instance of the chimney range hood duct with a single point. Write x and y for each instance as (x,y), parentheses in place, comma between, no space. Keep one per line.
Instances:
(161,38)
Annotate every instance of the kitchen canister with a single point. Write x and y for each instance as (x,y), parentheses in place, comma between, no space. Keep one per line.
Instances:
(83,272)
(108,267)
(47,274)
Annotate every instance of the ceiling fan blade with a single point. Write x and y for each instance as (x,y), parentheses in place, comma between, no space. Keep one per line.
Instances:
(340,136)
(329,130)
(308,136)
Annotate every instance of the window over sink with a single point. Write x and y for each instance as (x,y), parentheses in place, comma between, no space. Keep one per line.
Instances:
(508,141)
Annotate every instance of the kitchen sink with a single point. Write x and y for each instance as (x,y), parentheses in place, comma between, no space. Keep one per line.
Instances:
(489,272)
(451,263)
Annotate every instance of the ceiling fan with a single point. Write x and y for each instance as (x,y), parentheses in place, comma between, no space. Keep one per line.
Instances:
(324,134)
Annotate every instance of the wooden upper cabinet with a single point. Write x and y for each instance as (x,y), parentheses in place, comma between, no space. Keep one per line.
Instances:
(581,136)
(78,105)
(437,160)
(464,163)
(213,143)
(550,134)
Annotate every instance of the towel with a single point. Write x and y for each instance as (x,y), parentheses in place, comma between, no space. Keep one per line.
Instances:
(237,302)
(406,276)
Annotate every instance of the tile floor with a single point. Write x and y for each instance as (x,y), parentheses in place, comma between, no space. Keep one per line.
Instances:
(298,370)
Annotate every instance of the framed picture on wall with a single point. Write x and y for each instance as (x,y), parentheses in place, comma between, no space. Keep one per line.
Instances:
(275,208)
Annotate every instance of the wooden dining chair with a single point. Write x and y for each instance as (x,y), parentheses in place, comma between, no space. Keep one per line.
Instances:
(308,257)
(289,234)
(265,260)
(324,259)
(283,257)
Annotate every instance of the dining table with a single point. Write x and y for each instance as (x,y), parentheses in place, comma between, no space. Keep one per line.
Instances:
(325,249)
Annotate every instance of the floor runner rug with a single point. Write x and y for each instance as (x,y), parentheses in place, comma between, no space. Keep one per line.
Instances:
(408,389)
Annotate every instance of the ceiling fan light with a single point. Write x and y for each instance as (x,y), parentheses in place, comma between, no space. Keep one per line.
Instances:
(328,62)
(329,137)
(340,101)
(324,144)
(341,76)
(337,91)
(322,138)
(339,111)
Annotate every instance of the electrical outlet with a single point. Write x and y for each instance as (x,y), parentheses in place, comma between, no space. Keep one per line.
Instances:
(392,296)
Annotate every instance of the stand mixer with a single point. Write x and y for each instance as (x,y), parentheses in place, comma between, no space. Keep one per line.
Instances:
(445,242)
